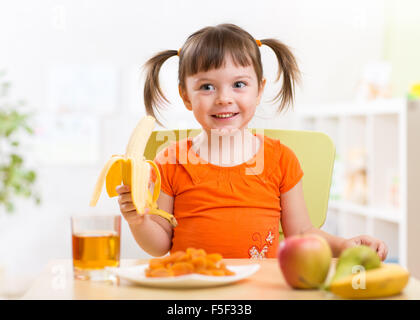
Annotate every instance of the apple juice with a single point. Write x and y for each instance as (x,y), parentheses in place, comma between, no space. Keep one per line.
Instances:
(96,249)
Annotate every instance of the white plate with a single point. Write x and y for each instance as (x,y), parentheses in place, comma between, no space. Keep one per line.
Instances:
(136,274)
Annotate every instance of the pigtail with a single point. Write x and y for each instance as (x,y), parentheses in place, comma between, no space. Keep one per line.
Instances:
(154,98)
(288,68)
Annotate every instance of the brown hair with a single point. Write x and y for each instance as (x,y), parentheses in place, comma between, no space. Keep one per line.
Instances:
(206,49)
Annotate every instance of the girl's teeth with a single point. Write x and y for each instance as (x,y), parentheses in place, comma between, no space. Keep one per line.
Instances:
(228,115)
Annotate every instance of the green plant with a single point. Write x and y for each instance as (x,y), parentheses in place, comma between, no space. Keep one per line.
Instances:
(15,179)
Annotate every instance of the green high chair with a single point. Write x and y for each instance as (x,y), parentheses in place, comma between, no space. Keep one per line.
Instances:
(315,151)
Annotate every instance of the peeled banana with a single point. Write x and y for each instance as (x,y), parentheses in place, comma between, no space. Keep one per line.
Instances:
(386,280)
(134,170)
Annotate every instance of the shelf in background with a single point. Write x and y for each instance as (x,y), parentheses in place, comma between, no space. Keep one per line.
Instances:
(388,106)
(377,161)
(385,213)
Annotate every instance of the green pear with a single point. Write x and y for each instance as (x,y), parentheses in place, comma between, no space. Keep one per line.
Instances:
(356,256)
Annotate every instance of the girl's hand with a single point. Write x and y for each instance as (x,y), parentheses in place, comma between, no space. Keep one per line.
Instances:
(379,246)
(127,207)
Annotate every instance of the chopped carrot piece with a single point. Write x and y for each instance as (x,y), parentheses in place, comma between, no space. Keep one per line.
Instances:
(214,257)
(191,261)
(180,268)
(161,272)
(217,272)
(156,263)
(199,263)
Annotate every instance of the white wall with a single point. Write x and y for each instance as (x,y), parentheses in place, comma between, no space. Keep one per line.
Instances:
(331,39)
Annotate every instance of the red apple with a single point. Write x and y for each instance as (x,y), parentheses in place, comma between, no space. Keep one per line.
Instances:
(304,260)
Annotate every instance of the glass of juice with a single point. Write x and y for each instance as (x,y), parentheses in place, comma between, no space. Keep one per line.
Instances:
(96,245)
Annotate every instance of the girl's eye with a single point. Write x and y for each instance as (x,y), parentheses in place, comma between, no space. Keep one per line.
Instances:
(240,84)
(207,87)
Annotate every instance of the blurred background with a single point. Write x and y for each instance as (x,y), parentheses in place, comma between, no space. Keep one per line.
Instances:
(71,93)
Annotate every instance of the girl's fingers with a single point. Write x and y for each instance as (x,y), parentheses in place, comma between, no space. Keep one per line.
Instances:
(133,218)
(127,207)
(374,244)
(135,213)
(129,213)
(122,189)
(382,251)
(375,247)
(124,198)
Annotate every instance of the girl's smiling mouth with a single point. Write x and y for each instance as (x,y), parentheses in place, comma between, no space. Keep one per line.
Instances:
(225,115)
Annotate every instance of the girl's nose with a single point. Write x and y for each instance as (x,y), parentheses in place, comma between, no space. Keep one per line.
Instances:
(224,98)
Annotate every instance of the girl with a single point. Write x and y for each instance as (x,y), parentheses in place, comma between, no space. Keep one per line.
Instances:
(232,206)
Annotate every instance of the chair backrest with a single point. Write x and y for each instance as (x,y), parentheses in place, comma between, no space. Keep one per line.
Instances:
(315,151)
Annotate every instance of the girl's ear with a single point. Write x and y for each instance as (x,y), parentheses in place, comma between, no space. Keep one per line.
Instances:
(261,90)
(184,98)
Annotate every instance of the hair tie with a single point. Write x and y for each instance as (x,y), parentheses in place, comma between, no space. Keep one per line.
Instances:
(179,51)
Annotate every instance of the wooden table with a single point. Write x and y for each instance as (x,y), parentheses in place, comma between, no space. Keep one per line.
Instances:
(56,282)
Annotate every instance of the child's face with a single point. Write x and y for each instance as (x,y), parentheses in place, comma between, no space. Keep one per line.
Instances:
(232,90)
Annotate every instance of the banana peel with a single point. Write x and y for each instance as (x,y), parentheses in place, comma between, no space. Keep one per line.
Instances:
(134,170)
(387,280)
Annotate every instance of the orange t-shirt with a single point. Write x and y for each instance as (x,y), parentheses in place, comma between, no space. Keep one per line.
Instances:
(234,211)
